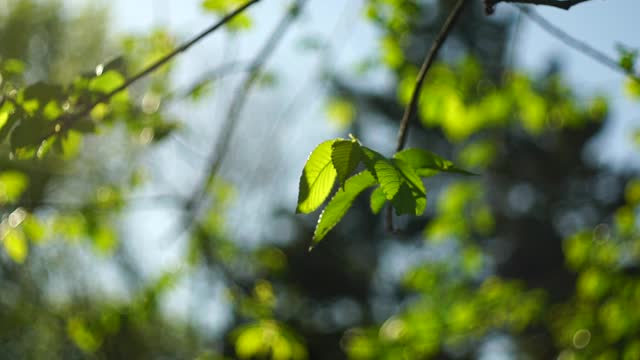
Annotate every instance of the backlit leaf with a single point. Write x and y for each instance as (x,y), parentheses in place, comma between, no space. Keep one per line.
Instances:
(12,185)
(317,179)
(377,200)
(345,155)
(107,82)
(341,202)
(385,172)
(341,112)
(15,244)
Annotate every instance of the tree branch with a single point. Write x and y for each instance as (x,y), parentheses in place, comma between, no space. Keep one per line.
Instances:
(65,122)
(566,4)
(412,107)
(576,44)
(223,140)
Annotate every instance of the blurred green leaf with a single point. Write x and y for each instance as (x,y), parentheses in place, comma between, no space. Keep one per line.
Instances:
(12,185)
(15,244)
(341,112)
(106,82)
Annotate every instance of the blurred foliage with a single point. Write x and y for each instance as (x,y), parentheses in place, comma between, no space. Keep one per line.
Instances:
(541,249)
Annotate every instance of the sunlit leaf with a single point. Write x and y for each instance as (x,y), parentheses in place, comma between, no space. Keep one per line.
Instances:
(345,155)
(71,142)
(377,200)
(12,67)
(317,179)
(267,339)
(106,82)
(83,337)
(341,202)
(34,229)
(12,185)
(341,112)
(104,239)
(240,22)
(385,172)
(15,244)
(249,342)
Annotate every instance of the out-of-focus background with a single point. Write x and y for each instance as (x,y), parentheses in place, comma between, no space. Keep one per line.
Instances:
(108,253)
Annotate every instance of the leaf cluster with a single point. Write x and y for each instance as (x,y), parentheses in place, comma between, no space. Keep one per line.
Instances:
(397,180)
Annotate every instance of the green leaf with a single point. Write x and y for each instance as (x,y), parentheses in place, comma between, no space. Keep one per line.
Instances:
(377,200)
(70,143)
(423,161)
(241,21)
(412,196)
(43,92)
(341,112)
(12,67)
(28,133)
(12,185)
(107,82)
(408,202)
(410,176)
(317,179)
(385,172)
(341,202)
(15,245)
(345,155)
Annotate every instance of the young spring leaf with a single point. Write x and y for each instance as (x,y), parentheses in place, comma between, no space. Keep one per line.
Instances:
(317,179)
(106,82)
(377,200)
(345,155)
(424,162)
(412,195)
(386,173)
(341,202)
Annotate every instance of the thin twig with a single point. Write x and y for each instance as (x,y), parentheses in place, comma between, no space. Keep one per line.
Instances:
(65,122)
(566,4)
(576,44)
(411,108)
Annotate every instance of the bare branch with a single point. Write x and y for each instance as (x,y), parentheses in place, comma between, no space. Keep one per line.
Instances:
(412,107)
(576,44)
(223,140)
(65,122)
